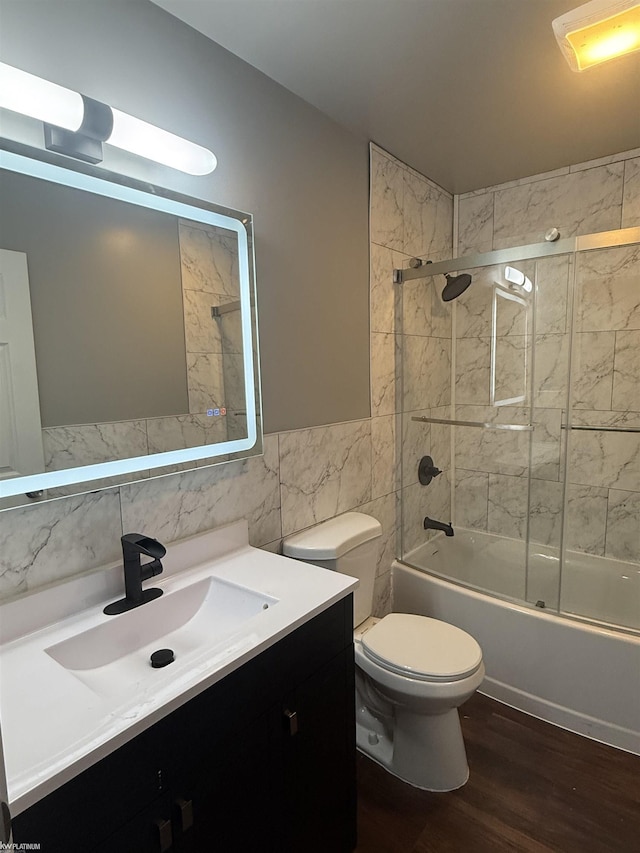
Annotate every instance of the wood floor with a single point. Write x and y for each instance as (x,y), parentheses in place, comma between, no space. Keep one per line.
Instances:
(532,787)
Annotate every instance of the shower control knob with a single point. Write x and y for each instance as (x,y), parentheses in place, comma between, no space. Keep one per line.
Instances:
(427,470)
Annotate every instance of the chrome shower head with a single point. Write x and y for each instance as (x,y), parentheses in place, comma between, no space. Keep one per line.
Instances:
(455,286)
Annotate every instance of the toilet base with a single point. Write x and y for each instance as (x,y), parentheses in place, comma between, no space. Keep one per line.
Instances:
(426,751)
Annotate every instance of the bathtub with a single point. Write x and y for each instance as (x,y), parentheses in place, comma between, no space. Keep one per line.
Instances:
(563,669)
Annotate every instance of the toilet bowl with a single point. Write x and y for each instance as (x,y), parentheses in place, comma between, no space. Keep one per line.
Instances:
(412,672)
(423,686)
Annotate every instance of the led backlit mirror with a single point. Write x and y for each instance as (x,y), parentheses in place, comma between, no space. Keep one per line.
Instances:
(128,336)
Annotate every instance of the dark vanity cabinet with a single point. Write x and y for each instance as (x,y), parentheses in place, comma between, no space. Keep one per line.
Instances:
(262,761)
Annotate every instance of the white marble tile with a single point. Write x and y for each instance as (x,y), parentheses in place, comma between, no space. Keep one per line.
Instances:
(426,372)
(605,459)
(386,510)
(547,444)
(623,526)
(383,373)
(471,499)
(530,179)
(577,203)
(551,371)
(185,504)
(385,295)
(417,298)
(475,224)
(55,540)
(205,381)
(233,371)
(586,519)
(419,501)
(87,444)
(592,369)
(474,308)
(175,433)
(473,371)
(608,289)
(416,443)
(441,438)
(545,512)
(384,471)
(428,219)
(552,283)
(631,196)
(441,313)
(386,223)
(201,331)
(209,260)
(324,471)
(491,451)
(626,373)
(511,370)
(507,506)
(382,595)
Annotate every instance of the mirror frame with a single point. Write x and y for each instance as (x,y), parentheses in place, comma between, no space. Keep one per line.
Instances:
(34,162)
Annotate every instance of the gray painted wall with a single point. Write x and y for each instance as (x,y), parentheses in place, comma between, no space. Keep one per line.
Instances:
(106,301)
(304,178)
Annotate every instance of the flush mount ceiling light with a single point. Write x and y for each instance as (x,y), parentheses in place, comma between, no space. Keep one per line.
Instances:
(598,31)
(77,125)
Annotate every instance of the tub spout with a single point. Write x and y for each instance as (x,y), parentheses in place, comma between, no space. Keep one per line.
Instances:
(431,524)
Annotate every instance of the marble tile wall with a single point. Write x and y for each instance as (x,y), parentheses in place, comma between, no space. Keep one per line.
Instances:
(209,261)
(604,468)
(410,341)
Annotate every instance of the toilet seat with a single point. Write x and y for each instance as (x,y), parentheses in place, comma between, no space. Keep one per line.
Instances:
(421,648)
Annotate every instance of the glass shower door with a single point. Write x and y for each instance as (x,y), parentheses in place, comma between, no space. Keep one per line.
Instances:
(601,549)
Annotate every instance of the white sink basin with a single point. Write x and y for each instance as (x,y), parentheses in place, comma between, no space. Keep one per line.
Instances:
(112,656)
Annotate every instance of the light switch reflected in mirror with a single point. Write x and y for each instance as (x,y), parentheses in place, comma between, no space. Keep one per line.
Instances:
(127,330)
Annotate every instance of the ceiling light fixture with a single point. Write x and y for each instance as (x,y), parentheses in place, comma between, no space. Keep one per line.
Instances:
(77,126)
(598,31)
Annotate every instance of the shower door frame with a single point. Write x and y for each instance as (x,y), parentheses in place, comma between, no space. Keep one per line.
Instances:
(569,246)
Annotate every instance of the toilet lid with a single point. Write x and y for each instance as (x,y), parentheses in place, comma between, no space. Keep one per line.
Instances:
(420,646)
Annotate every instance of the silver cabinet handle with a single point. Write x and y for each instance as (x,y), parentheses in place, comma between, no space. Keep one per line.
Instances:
(165,836)
(291,717)
(184,809)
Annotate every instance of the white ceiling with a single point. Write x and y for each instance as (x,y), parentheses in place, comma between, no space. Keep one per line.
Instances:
(468,92)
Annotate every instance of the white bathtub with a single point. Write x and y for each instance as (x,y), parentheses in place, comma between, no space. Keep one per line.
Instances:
(583,677)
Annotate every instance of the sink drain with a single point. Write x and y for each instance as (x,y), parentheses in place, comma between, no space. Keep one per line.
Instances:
(163,657)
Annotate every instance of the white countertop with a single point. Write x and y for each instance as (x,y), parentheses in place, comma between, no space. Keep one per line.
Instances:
(56,722)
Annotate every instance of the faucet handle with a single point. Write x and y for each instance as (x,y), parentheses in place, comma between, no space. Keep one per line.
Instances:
(144,545)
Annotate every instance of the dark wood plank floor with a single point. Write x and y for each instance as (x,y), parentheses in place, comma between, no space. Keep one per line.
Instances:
(533,787)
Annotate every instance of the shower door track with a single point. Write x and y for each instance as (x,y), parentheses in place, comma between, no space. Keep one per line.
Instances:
(599,240)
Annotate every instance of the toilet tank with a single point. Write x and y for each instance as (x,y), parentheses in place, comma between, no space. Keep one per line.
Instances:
(348,544)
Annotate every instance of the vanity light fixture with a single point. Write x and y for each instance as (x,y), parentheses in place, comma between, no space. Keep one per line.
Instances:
(77,126)
(598,31)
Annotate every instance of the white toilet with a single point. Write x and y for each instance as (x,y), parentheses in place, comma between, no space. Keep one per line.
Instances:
(412,672)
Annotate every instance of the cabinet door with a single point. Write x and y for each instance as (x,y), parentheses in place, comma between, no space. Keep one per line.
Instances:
(229,799)
(150,831)
(318,808)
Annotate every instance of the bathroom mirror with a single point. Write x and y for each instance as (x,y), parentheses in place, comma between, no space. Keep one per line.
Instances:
(128,331)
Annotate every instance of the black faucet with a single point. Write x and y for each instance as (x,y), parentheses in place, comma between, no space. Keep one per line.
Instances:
(134,545)
(431,524)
